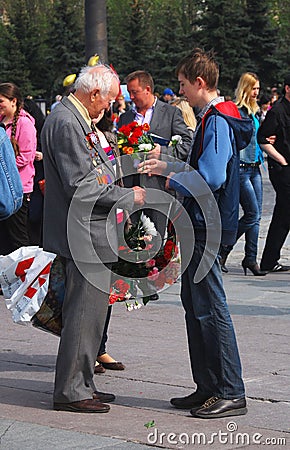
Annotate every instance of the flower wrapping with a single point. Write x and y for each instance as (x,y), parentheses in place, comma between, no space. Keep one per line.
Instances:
(138,259)
(24,276)
(134,138)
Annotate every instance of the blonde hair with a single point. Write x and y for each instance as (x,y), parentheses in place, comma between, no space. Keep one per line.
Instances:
(187,111)
(244,90)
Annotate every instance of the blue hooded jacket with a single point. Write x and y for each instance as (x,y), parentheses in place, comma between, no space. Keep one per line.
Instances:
(215,158)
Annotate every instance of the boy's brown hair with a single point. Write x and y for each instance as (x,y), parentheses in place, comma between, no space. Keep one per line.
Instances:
(199,63)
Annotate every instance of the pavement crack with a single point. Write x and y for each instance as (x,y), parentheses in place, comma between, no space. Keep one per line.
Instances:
(5,431)
(28,364)
(271,400)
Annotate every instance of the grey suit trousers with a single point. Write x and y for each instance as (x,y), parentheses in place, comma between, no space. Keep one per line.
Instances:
(84,312)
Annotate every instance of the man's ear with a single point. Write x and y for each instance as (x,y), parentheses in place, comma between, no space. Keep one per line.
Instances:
(95,93)
(200,82)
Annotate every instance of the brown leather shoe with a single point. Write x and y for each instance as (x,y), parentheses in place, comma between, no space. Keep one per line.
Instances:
(113,365)
(104,397)
(99,368)
(89,405)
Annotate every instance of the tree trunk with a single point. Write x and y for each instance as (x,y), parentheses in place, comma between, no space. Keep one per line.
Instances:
(96,29)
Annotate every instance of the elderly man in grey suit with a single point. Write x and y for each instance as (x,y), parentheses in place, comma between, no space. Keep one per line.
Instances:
(80,227)
(165,122)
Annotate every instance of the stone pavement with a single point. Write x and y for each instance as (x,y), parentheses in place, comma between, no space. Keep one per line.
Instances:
(152,344)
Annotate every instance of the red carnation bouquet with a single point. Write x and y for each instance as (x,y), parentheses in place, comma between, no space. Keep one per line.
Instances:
(139,259)
(134,138)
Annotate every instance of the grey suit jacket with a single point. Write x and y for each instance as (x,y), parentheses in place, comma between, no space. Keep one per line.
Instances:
(167,121)
(79,221)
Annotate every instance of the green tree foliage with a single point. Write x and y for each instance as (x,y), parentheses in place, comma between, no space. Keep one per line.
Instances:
(65,40)
(263,42)
(150,35)
(221,26)
(43,41)
(280,17)
(13,65)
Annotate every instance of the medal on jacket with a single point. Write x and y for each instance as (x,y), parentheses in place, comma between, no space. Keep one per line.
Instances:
(92,140)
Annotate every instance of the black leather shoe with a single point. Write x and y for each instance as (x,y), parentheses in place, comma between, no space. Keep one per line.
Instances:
(194,400)
(278,268)
(103,397)
(153,297)
(216,407)
(150,298)
(89,405)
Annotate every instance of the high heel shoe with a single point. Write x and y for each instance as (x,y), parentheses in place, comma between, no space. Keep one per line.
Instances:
(224,253)
(254,268)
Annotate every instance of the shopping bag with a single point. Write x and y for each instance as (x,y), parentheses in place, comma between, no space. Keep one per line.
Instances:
(24,276)
(49,316)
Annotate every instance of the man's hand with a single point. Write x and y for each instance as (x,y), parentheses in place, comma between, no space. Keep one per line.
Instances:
(155,152)
(139,195)
(152,167)
(38,156)
(168,180)
(271,139)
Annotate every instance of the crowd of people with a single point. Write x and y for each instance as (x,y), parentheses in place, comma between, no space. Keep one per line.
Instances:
(215,169)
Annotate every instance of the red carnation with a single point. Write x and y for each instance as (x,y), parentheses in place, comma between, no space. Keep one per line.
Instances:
(170,250)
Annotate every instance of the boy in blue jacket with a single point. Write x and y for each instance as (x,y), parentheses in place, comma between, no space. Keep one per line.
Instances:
(209,183)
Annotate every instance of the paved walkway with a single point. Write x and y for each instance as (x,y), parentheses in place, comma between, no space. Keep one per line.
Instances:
(152,344)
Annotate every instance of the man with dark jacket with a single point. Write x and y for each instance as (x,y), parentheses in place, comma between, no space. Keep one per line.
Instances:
(277,122)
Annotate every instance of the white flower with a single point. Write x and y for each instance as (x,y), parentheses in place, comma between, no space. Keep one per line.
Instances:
(137,305)
(145,147)
(129,307)
(177,139)
(148,225)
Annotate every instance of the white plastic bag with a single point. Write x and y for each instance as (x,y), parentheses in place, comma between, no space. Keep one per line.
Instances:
(24,276)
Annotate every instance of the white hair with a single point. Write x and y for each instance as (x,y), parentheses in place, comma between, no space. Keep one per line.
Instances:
(96,77)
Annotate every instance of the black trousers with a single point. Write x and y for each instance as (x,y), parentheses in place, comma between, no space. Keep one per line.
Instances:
(280,223)
(14,230)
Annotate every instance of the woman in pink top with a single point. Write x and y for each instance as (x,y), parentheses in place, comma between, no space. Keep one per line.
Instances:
(22,132)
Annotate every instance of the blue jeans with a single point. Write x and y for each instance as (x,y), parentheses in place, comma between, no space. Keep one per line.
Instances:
(214,355)
(251,197)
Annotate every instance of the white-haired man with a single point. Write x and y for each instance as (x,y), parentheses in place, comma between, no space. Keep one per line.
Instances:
(78,227)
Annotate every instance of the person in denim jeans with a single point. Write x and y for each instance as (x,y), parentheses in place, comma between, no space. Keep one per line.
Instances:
(251,196)
(11,192)
(210,186)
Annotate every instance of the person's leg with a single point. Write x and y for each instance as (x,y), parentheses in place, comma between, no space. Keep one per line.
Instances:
(214,355)
(83,315)
(17,226)
(5,244)
(251,202)
(280,222)
(102,348)
(254,209)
